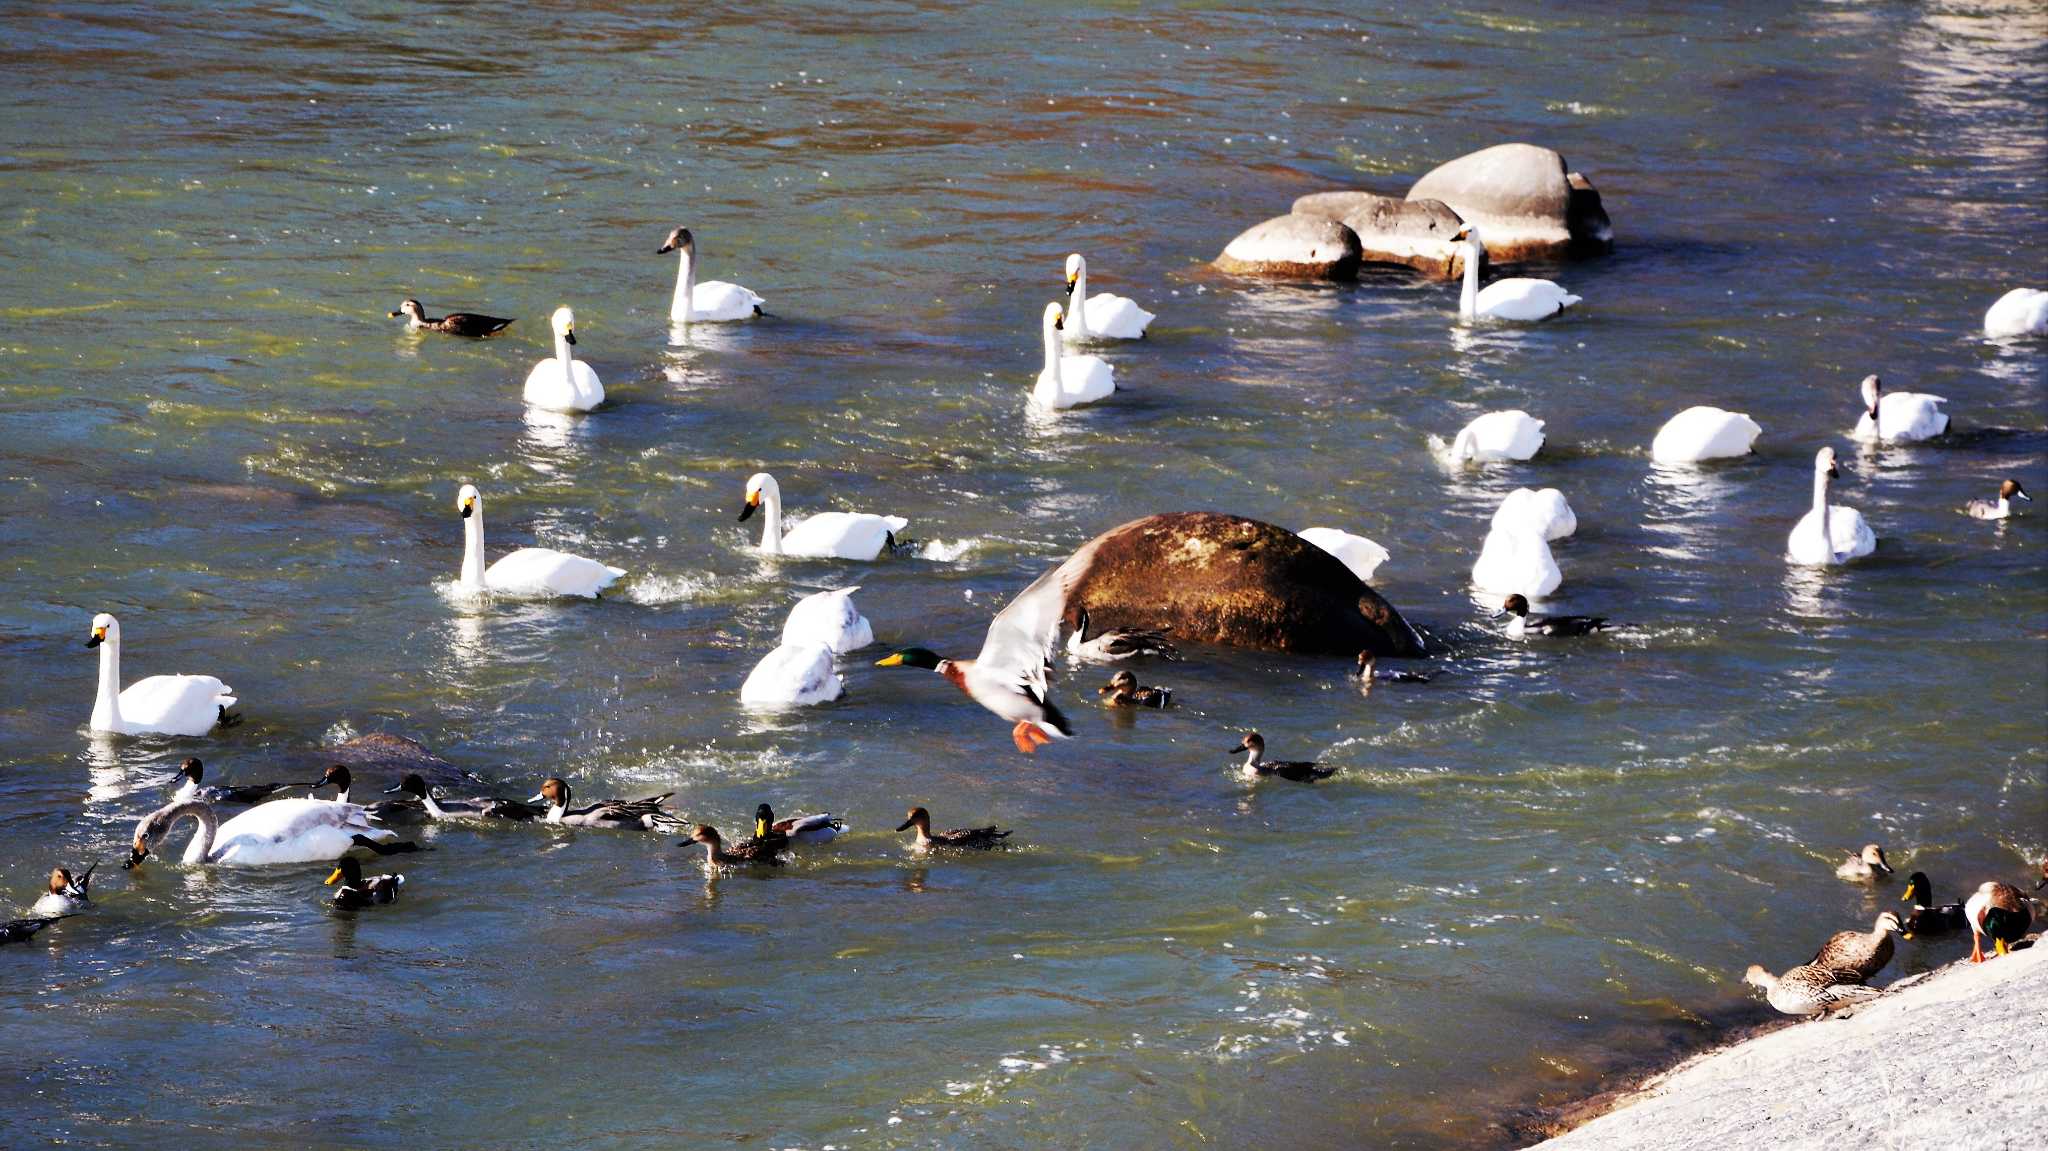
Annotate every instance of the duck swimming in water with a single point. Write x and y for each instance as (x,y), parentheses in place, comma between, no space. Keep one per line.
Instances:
(1257,766)
(1929,917)
(478,807)
(1868,863)
(1809,990)
(822,828)
(191,772)
(355,891)
(66,896)
(2000,508)
(19,930)
(1859,953)
(642,814)
(1999,911)
(1116,644)
(472,324)
(1367,672)
(1122,690)
(976,838)
(746,851)
(1523,624)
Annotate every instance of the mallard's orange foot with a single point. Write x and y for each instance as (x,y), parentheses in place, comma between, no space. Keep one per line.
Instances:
(1022,734)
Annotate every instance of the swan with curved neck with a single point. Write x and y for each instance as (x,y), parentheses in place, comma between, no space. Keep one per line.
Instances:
(1519,299)
(1069,381)
(1103,316)
(527,571)
(158,705)
(713,301)
(824,535)
(1898,417)
(1828,534)
(281,831)
(563,383)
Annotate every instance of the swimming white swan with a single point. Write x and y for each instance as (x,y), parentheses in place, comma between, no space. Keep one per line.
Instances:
(1898,417)
(281,831)
(1544,513)
(825,535)
(1102,316)
(713,301)
(159,705)
(1361,555)
(1069,381)
(1517,298)
(1829,534)
(563,383)
(2020,312)
(1514,562)
(533,572)
(795,674)
(828,618)
(1704,433)
(1495,437)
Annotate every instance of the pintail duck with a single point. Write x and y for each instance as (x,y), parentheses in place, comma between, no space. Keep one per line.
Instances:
(1865,864)
(478,807)
(1928,917)
(1257,766)
(2000,508)
(1524,624)
(1122,690)
(1859,953)
(191,772)
(338,777)
(1367,672)
(1999,911)
(980,838)
(1116,644)
(797,828)
(388,847)
(473,324)
(355,891)
(642,814)
(19,930)
(746,851)
(66,896)
(1809,990)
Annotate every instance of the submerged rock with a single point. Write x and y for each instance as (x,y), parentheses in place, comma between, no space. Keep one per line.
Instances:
(1293,247)
(1524,200)
(1411,233)
(377,755)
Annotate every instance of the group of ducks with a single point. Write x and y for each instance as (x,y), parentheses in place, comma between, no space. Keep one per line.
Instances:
(1838,975)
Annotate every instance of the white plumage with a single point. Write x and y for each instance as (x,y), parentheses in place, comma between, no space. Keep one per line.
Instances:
(2020,312)
(713,301)
(1519,299)
(1512,561)
(1902,417)
(1543,513)
(1704,433)
(794,674)
(1069,381)
(824,535)
(1829,534)
(1495,437)
(532,572)
(158,705)
(1361,555)
(1102,316)
(563,383)
(280,831)
(828,618)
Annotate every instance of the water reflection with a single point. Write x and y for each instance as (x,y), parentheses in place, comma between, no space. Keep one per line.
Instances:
(551,439)
(1807,593)
(1685,505)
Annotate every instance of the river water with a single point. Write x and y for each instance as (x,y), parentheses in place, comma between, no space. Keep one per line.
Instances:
(1546,859)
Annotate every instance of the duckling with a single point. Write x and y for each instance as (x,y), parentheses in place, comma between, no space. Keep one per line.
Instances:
(1122,690)
(479,807)
(1859,953)
(981,838)
(745,851)
(19,930)
(1523,624)
(645,814)
(471,324)
(1368,672)
(192,771)
(66,896)
(355,891)
(2000,911)
(1809,990)
(1256,765)
(796,829)
(1928,917)
(1866,864)
(2000,508)
(1115,644)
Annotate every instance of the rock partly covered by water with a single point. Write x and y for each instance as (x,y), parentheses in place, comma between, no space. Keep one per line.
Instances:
(1293,247)
(377,755)
(1525,200)
(1205,577)
(1412,233)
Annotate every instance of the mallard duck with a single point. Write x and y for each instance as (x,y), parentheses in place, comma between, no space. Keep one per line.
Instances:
(1115,644)
(1368,671)
(1524,624)
(66,896)
(644,814)
(355,891)
(1257,766)
(477,807)
(2000,508)
(1809,990)
(19,930)
(192,771)
(1122,690)
(746,851)
(797,828)
(2000,911)
(1865,864)
(1861,953)
(1928,917)
(472,324)
(980,838)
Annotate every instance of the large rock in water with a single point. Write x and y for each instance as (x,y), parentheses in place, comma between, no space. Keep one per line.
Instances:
(1206,577)
(380,759)
(1412,233)
(1293,247)
(1525,202)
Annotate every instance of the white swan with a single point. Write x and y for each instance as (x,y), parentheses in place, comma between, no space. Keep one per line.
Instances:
(563,383)
(2020,312)
(1544,513)
(281,831)
(534,572)
(828,618)
(1517,298)
(795,674)
(1513,562)
(825,535)
(1493,438)
(1361,555)
(159,705)
(713,301)
(1829,534)
(1069,381)
(1704,433)
(1102,316)
(1898,417)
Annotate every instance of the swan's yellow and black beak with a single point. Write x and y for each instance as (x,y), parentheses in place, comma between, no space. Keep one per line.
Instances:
(1834,472)
(1059,322)
(1070,285)
(569,334)
(136,853)
(468,506)
(99,636)
(753,502)
(332,879)
(1462,234)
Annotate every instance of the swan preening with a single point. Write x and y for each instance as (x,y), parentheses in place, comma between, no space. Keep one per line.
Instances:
(2020,312)
(534,572)
(1361,555)
(1830,533)
(1518,298)
(1102,316)
(828,618)
(1496,437)
(1069,381)
(1513,561)
(1704,433)
(280,831)
(1898,417)
(713,301)
(793,675)
(563,383)
(824,535)
(1544,513)
(158,705)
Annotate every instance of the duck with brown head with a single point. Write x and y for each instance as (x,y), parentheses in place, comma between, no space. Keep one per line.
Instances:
(1257,766)
(66,895)
(1868,863)
(192,772)
(1122,690)
(624,814)
(746,851)
(2000,508)
(972,838)
(472,324)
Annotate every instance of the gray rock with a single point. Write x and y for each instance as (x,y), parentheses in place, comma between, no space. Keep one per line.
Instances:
(1524,200)
(1411,233)
(1293,247)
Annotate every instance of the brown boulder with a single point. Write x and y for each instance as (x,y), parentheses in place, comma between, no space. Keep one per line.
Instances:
(382,759)
(1411,233)
(1293,247)
(1524,200)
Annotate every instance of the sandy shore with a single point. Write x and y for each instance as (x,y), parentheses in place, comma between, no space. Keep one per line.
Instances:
(1957,1058)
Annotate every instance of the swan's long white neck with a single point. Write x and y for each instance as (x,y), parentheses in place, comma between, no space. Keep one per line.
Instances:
(684,309)
(1468,298)
(1078,310)
(1052,353)
(565,354)
(771,520)
(1466,446)
(1820,507)
(473,547)
(106,706)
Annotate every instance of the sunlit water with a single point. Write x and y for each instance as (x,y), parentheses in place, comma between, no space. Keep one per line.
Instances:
(1546,858)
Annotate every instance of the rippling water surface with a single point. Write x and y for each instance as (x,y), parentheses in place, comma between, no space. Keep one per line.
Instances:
(1546,859)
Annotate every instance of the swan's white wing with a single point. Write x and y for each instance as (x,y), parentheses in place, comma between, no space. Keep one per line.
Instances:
(1116,317)
(1908,416)
(549,389)
(1083,380)
(1022,636)
(842,535)
(718,300)
(2020,312)
(1522,299)
(545,571)
(793,674)
(1704,433)
(175,704)
(1851,537)
(829,618)
(1359,554)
